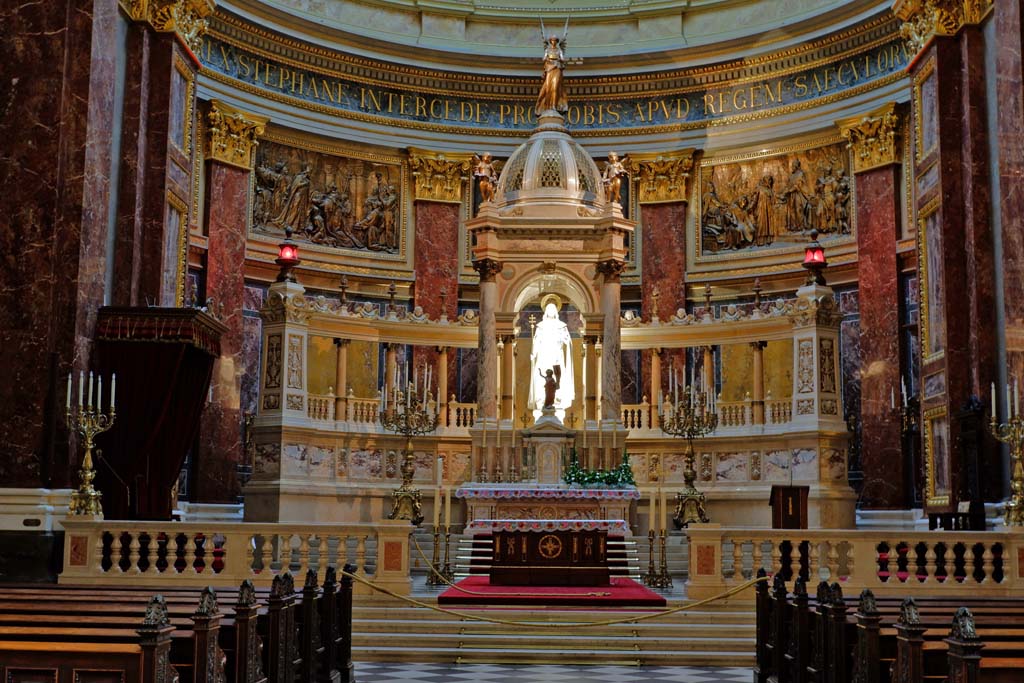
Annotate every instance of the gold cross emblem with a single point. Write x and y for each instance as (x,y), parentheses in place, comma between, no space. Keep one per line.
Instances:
(550,547)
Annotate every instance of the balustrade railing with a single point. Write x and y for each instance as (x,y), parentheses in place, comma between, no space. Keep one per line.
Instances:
(734,414)
(636,415)
(194,553)
(461,414)
(779,412)
(320,407)
(888,563)
(363,410)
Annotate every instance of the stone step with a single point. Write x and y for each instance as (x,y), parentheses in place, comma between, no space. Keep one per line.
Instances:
(719,632)
(499,655)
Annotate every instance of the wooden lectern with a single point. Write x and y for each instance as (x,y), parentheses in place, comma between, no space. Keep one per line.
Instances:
(789,507)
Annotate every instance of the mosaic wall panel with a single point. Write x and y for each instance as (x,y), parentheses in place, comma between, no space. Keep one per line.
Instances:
(326,199)
(775,201)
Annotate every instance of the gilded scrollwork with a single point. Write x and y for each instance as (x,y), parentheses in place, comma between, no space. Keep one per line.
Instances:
(286,307)
(873,138)
(775,200)
(815,311)
(188,18)
(232,134)
(437,178)
(327,199)
(925,19)
(662,178)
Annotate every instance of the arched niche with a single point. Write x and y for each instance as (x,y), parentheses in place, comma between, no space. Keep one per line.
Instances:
(531,286)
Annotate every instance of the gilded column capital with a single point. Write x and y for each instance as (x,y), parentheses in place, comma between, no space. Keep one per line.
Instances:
(232,135)
(438,177)
(662,178)
(188,18)
(488,268)
(611,269)
(926,19)
(873,138)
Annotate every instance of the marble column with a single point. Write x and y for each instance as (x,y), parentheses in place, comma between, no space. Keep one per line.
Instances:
(611,352)
(442,383)
(1010,199)
(341,379)
(655,387)
(757,396)
(231,141)
(875,142)
(955,249)
(487,366)
(157,153)
(55,155)
(508,378)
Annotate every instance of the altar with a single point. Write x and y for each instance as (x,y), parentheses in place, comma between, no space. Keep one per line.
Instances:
(558,557)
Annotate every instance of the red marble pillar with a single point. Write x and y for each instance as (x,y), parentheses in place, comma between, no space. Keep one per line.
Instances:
(232,137)
(436,261)
(663,268)
(878,224)
(156,160)
(955,260)
(55,158)
(1010,131)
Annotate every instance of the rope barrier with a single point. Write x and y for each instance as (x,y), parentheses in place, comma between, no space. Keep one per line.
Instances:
(555,624)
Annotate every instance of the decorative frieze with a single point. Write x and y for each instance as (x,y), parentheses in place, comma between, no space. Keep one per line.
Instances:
(926,19)
(873,138)
(188,18)
(439,177)
(662,177)
(232,135)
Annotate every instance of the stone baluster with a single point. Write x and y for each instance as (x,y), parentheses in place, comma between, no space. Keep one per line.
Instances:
(360,559)
(758,557)
(986,564)
(737,559)
(833,560)
(133,553)
(191,545)
(341,379)
(929,562)
(776,567)
(813,558)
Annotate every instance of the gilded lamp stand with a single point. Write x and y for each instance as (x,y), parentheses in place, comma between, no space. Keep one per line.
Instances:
(692,417)
(1011,432)
(89,420)
(409,417)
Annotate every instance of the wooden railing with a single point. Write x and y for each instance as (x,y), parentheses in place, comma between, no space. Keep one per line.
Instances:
(195,553)
(889,564)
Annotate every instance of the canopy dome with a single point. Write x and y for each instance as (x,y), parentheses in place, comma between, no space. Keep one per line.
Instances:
(550,169)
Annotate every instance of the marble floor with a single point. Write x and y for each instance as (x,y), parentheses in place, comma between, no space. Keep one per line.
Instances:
(375,672)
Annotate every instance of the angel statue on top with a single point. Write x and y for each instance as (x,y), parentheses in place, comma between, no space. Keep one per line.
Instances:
(486,175)
(552,91)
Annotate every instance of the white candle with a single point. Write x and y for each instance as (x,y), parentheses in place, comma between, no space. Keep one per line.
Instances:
(993,404)
(1016,399)
(90,390)
(437,508)
(81,387)
(653,511)
(448,509)
(1009,406)
(69,392)
(903,391)
(892,398)
(113,390)
(99,392)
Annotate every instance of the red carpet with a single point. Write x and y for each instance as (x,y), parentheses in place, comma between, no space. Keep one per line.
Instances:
(621,593)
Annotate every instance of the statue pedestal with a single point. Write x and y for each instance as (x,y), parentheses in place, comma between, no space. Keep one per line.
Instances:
(549,443)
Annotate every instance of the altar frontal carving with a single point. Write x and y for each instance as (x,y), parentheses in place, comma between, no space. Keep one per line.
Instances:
(334,201)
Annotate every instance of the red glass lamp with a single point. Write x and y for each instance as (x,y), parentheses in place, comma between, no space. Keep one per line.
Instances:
(814,261)
(287,258)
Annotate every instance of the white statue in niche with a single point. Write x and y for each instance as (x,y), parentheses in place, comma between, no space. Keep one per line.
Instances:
(552,350)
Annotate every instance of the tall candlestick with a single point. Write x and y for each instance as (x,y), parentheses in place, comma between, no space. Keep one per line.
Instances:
(69,392)
(993,403)
(81,387)
(437,507)
(652,512)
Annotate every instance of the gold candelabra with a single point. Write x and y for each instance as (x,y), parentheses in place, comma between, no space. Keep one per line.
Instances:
(692,417)
(651,576)
(1011,433)
(89,420)
(410,416)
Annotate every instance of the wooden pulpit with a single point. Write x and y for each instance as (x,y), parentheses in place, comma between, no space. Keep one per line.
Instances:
(789,507)
(164,359)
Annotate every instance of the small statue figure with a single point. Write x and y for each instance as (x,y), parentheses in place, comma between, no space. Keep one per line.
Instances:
(614,171)
(552,91)
(487,178)
(550,387)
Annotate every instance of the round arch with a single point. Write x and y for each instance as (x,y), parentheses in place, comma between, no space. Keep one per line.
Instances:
(534,284)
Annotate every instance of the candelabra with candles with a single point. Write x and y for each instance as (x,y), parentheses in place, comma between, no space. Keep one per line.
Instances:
(692,417)
(410,415)
(441,575)
(89,420)
(1011,433)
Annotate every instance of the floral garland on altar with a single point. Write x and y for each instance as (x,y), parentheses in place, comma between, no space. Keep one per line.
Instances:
(619,477)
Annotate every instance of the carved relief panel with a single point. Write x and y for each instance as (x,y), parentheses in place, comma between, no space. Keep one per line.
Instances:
(330,198)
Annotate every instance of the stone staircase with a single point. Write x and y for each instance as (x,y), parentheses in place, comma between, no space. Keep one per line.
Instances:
(709,636)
